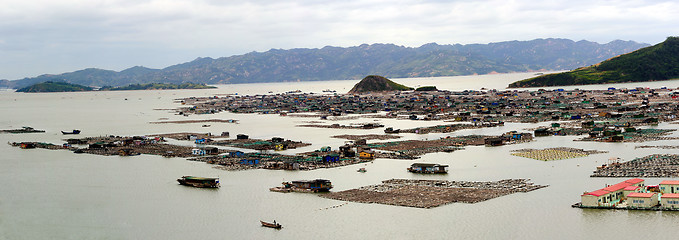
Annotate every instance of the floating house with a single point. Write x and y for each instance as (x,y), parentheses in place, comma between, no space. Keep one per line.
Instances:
(236,154)
(669,186)
(331,158)
(610,195)
(249,161)
(198,151)
(493,141)
(540,132)
(642,200)
(428,168)
(366,154)
(670,201)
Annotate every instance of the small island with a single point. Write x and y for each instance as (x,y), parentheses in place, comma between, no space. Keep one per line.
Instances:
(51,86)
(375,83)
(59,86)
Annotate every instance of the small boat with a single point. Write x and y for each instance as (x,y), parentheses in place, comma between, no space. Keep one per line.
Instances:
(75,131)
(271,225)
(206,125)
(361,170)
(200,182)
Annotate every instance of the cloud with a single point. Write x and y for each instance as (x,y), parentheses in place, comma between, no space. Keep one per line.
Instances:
(56,36)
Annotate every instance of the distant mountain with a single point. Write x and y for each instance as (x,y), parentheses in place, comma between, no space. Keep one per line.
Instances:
(50,86)
(157,86)
(374,83)
(658,62)
(335,63)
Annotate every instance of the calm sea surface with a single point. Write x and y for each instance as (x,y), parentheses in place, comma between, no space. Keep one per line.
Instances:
(60,195)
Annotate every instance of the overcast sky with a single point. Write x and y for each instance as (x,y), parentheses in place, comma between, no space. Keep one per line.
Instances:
(56,36)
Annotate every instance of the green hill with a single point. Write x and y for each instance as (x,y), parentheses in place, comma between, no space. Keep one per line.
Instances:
(658,62)
(374,83)
(51,86)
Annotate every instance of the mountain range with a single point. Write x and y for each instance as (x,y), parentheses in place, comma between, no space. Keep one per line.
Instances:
(338,63)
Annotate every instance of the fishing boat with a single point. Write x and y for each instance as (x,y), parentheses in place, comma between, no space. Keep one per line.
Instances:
(361,170)
(75,131)
(200,182)
(271,225)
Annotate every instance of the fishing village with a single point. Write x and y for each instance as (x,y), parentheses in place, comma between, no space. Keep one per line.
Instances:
(613,115)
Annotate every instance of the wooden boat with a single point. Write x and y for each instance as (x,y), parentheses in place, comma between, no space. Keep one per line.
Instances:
(75,131)
(271,225)
(200,182)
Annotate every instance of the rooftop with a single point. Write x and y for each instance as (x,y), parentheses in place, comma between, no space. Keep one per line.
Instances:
(597,193)
(641,195)
(634,180)
(670,195)
(670,182)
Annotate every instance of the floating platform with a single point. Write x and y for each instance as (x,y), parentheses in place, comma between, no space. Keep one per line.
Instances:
(656,208)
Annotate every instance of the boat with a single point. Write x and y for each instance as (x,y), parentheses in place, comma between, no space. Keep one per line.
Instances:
(201,182)
(317,185)
(75,131)
(428,168)
(361,170)
(271,225)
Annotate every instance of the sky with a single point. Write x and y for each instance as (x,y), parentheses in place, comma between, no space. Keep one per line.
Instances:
(56,36)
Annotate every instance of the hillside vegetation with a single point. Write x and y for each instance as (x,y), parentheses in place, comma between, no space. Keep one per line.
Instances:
(658,62)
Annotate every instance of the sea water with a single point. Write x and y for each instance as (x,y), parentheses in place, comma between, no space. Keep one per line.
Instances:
(49,194)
